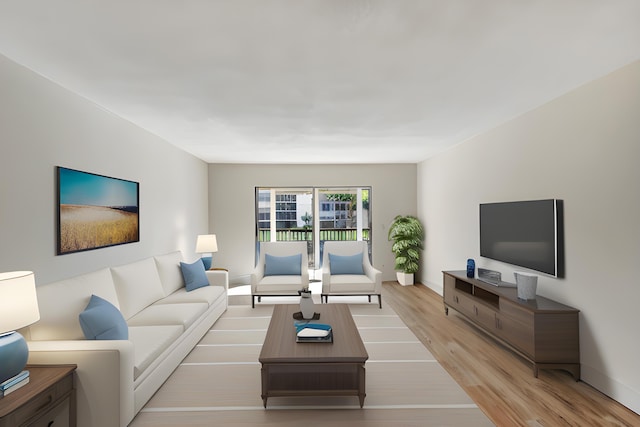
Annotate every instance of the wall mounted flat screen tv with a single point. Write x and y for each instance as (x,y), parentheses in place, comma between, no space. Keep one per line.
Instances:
(526,233)
(95,211)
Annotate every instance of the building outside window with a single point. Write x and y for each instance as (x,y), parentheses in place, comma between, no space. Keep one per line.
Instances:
(289,214)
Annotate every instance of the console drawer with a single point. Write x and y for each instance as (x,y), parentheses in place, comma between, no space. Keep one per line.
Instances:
(516,332)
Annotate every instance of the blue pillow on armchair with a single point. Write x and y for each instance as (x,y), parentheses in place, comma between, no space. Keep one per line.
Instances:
(282,265)
(346,264)
(194,275)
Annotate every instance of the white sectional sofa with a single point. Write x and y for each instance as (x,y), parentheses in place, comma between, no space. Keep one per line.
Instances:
(116,378)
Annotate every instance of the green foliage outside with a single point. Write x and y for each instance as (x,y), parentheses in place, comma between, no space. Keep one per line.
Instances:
(307,220)
(407,234)
(350,197)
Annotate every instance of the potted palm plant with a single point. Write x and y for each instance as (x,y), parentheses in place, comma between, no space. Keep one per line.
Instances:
(407,234)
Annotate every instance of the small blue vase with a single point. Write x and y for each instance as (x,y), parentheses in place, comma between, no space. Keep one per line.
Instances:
(471,268)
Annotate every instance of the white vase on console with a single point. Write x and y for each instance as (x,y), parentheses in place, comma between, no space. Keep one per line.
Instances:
(526,284)
(307,308)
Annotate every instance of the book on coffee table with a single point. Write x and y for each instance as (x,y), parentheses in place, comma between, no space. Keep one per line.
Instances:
(314,332)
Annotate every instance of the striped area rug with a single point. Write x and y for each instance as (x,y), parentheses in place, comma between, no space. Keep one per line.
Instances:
(218,383)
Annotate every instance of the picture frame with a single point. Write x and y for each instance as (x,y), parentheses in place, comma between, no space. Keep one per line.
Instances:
(95,211)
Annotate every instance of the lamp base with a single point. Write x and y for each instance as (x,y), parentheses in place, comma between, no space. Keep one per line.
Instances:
(206,260)
(14,353)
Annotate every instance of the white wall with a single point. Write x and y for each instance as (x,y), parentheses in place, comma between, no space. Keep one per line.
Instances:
(583,148)
(42,126)
(232,205)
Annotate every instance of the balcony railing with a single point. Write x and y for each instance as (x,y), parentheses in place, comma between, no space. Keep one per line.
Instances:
(296,234)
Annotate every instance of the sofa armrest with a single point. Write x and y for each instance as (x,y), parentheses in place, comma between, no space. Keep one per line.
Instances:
(304,279)
(256,277)
(374,275)
(326,279)
(103,379)
(218,278)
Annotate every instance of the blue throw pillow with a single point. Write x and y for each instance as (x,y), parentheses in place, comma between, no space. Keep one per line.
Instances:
(283,265)
(194,275)
(346,264)
(101,320)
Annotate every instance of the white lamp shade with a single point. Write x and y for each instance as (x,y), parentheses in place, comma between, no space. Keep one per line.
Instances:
(206,243)
(18,300)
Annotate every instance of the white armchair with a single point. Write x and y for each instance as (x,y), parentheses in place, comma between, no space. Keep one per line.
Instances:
(347,278)
(279,272)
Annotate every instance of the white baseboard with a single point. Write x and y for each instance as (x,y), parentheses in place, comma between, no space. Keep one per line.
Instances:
(436,287)
(612,388)
(240,280)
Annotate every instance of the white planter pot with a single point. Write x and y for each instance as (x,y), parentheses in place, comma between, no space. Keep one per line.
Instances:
(405,279)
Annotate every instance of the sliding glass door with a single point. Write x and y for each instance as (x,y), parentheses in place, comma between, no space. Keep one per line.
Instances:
(314,215)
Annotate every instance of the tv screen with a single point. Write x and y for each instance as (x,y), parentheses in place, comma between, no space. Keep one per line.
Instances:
(525,233)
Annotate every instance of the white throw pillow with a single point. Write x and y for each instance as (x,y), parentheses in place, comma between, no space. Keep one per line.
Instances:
(60,303)
(169,271)
(138,286)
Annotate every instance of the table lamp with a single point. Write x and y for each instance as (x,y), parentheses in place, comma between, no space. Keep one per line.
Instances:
(18,309)
(207,243)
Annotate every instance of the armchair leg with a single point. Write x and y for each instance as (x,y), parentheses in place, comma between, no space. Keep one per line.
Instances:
(380,300)
(253,301)
(369,298)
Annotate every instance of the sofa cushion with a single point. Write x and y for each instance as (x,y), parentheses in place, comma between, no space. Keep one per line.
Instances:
(194,275)
(282,265)
(169,314)
(288,284)
(138,286)
(207,294)
(61,302)
(169,271)
(150,342)
(351,283)
(101,320)
(345,264)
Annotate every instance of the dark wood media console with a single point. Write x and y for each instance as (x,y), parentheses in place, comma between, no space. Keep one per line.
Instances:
(542,331)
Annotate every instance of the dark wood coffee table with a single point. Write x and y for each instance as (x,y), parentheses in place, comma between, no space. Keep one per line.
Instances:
(313,369)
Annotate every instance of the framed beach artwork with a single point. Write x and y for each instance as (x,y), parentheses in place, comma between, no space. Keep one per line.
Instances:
(95,211)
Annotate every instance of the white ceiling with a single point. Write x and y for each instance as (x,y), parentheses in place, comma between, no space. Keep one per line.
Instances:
(323,81)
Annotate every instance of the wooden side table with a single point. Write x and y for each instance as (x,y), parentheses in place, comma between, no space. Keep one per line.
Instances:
(49,399)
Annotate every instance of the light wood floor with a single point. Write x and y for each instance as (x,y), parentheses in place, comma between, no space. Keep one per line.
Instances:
(498,380)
